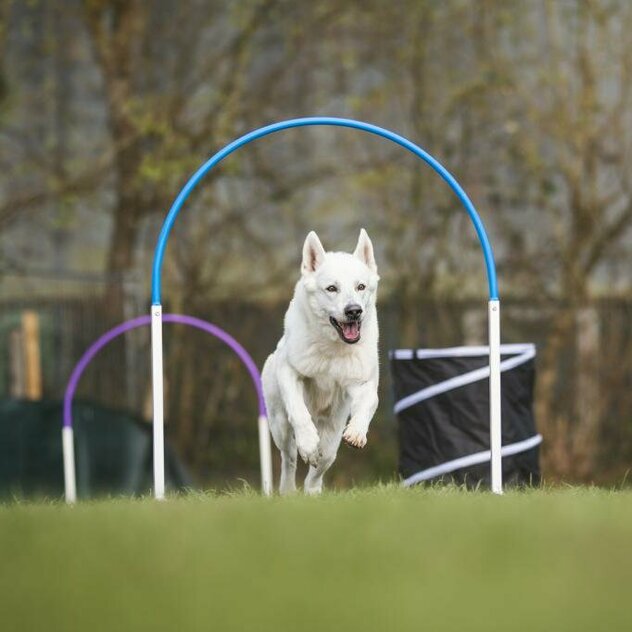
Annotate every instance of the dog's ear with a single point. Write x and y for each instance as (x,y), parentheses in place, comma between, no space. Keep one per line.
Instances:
(364,251)
(313,254)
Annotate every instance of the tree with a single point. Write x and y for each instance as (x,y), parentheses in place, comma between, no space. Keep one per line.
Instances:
(566,110)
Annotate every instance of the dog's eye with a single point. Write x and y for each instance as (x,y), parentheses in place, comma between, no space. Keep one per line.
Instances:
(361,287)
(332,288)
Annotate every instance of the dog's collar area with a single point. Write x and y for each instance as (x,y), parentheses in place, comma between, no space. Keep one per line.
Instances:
(349,331)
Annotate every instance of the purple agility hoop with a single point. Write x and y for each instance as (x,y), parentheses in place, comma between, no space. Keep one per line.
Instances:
(142,321)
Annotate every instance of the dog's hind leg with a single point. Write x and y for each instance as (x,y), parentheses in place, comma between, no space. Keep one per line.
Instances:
(314,480)
(283,436)
(288,468)
(330,436)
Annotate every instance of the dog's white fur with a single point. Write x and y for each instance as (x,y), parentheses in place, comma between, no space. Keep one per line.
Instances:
(315,382)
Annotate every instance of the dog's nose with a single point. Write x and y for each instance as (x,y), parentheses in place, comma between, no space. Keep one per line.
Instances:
(353,311)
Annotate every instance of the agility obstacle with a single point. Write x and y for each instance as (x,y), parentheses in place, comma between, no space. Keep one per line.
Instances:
(493,302)
(265,450)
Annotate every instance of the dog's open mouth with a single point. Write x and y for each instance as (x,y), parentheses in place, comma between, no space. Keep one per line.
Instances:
(349,332)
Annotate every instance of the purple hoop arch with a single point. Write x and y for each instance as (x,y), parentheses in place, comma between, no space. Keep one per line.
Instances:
(143,321)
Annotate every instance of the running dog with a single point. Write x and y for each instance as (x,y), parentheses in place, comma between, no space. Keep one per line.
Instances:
(320,384)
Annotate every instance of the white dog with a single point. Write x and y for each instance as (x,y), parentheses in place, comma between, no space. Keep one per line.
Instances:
(324,371)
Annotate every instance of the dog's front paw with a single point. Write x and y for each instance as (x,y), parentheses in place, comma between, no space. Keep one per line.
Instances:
(354,437)
(308,447)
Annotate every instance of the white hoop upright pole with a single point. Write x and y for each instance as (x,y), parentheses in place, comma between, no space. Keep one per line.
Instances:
(68,449)
(265,456)
(157,389)
(495,424)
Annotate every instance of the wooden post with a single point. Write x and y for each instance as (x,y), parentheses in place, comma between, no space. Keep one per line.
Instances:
(32,356)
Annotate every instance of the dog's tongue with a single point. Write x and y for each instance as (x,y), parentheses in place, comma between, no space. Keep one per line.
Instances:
(350,330)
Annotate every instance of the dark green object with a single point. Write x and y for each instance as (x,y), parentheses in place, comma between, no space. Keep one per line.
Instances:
(113,452)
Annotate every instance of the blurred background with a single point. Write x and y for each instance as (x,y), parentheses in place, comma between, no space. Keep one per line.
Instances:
(108,106)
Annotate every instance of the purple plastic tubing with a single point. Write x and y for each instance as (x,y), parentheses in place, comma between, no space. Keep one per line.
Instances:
(143,321)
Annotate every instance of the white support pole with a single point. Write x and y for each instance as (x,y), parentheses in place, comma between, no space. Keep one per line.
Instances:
(157,389)
(495,424)
(68,449)
(265,456)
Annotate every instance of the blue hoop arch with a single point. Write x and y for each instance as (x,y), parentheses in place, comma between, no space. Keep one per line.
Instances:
(311,122)
(493,303)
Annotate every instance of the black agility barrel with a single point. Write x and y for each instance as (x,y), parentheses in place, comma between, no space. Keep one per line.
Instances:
(442,407)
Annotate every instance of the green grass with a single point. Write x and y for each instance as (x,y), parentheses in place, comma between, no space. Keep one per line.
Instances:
(376,559)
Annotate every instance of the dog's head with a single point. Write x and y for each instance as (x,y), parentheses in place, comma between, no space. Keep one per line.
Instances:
(341,287)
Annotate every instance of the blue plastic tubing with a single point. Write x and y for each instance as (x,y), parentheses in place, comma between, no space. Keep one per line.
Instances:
(309,122)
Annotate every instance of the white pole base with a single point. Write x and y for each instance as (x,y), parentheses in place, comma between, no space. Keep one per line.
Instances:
(158,399)
(265,456)
(68,448)
(495,423)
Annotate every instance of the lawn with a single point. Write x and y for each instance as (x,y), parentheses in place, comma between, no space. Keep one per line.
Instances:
(374,559)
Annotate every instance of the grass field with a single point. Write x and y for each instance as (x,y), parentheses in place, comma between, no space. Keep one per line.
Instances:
(376,559)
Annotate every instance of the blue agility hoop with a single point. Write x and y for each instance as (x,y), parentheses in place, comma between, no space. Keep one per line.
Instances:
(493,303)
(310,122)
